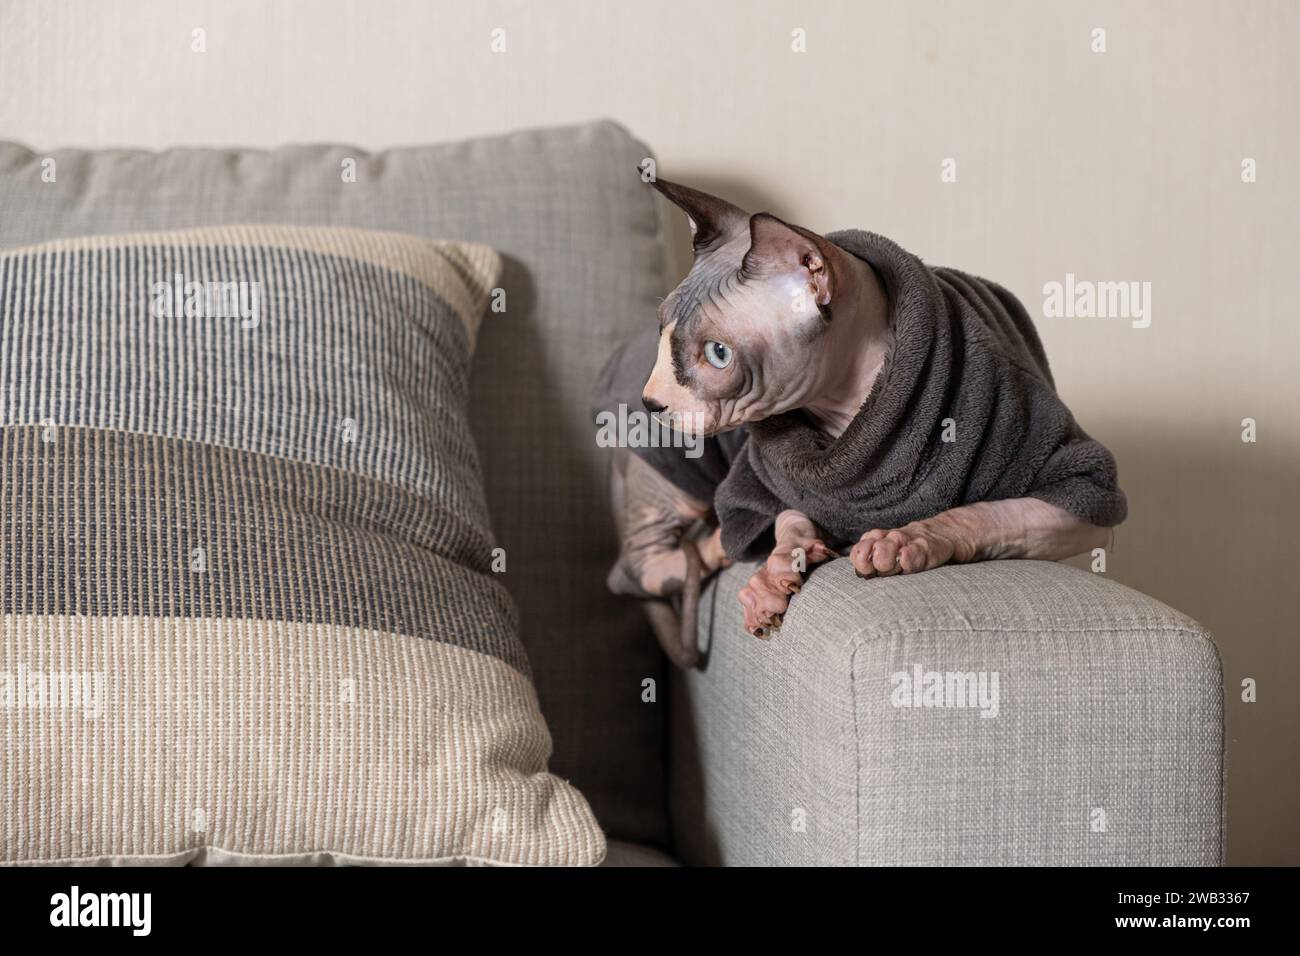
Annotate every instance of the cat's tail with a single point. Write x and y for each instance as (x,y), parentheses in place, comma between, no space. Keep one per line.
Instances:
(677,630)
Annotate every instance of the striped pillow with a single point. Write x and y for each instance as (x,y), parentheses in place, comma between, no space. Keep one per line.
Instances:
(245,563)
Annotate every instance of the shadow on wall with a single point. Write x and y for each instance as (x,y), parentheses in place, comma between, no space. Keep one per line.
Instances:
(1204,508)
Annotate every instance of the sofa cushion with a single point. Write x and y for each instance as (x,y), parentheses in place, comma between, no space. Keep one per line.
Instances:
(245,563)
(583,263)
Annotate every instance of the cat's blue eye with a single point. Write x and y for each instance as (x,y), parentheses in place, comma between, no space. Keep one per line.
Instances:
(718,355)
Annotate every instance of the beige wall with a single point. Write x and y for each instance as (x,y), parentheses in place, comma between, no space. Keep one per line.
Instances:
(1123,165)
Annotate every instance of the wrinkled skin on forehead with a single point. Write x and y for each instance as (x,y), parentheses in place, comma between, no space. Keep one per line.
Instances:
(751,297)
(755,319)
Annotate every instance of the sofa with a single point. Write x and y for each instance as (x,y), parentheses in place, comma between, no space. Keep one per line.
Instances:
(1003,713)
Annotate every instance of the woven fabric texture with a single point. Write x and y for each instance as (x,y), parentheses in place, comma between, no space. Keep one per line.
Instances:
(1099,741)
(245,562)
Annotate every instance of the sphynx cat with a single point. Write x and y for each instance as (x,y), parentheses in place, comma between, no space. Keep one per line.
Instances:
(773,318)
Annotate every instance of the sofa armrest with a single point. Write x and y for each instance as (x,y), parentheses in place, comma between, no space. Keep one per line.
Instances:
(1091,731)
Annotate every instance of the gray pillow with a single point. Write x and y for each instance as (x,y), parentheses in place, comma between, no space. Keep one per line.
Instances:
(247,566)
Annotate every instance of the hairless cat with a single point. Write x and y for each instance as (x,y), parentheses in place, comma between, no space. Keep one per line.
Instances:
(852,400)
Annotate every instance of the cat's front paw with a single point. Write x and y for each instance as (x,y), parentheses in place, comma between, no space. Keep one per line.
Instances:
(764,603)
(919,546)
(767,595)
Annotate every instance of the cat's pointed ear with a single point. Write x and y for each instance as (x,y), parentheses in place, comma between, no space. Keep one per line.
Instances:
(712,220)
(777,248)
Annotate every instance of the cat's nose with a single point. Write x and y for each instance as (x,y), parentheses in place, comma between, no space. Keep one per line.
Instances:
(651,405)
